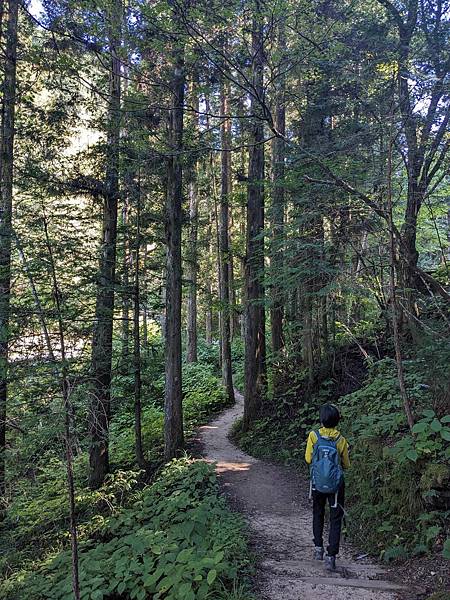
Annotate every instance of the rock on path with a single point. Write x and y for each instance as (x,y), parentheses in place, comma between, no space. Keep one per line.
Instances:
(274,501)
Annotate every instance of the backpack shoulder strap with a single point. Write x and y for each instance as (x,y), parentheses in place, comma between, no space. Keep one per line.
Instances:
(318,436)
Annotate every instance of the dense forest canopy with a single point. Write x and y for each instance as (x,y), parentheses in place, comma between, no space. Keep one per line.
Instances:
(246,190)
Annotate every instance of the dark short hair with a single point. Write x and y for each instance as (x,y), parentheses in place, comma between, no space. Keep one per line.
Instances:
(329,415)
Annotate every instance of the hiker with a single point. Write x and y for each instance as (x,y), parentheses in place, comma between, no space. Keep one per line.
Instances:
(327,454)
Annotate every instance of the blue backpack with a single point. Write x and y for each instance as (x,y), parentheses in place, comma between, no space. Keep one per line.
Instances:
(326,469)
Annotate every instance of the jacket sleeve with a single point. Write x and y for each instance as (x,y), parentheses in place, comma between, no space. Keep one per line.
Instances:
(309,447)
(344,455)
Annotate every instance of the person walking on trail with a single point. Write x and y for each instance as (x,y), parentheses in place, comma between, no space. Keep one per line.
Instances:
(327,455)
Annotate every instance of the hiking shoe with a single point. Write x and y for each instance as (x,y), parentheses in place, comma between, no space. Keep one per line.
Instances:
(330,563)
(318,553)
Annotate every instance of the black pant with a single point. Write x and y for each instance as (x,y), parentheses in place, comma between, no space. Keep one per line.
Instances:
(336,514)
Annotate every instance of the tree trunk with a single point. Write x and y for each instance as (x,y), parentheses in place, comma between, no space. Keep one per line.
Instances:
(104,309)
(234,322)
(209,314)
(192,252)
(145,308)
(6,196)
(191,350)
(162,318)
(277,209)
(255,318)
(173,415)
(224,249)
(140,459)
(126,279)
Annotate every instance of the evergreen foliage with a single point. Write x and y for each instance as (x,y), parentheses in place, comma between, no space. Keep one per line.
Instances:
(188,189)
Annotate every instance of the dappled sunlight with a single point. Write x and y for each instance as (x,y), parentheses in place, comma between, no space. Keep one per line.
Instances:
(223,467)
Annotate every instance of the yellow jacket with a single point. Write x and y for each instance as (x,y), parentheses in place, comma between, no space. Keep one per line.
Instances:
(332,433)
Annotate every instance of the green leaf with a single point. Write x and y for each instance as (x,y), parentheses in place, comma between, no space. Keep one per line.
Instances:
(184,591)
(211,576)
(445,434)
(445,419)
(428,413)
(432,532)
(184,555)
(412,455)
(436,425)
(420,427)
(446,550)
(121,587)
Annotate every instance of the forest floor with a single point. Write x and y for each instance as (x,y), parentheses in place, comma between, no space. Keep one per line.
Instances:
(274,501)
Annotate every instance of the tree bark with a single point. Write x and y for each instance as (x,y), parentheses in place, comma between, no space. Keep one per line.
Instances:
(126,279)
(191,349)
(234,321)
(6,197)
(140,458)
(255,349)
(145,307)
(104,309)
(173,413)
(192,252)
(209,314)
(224,249)
(277,209)
(163,318)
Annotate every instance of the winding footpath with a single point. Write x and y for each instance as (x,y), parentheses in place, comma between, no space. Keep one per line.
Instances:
(274,501)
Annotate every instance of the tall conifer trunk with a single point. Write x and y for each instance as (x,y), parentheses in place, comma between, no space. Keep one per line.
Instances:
(6,194)
(126,278)
(255,326)
(173,414)
(224,248)
(277,212)
(139,449)
(209,314)
(191,344)
(104,309)
(192,252)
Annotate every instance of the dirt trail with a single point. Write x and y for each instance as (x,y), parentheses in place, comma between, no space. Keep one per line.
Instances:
(274,501)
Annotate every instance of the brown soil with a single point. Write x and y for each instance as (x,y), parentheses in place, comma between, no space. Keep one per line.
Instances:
(274,501)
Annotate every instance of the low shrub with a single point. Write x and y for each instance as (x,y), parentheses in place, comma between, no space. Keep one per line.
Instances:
(177,541)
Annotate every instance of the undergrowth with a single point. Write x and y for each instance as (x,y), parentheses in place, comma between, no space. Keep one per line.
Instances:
(398,498)
(177,541)
(173,538)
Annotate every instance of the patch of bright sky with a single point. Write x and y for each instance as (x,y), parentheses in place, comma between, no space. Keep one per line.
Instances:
(83,136)
(36,8)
